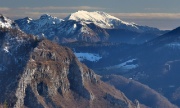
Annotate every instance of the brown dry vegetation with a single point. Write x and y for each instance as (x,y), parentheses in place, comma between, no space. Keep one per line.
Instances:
(64,58)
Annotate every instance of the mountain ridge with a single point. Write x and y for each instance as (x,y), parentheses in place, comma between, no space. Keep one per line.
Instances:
(78,27)
(6,22)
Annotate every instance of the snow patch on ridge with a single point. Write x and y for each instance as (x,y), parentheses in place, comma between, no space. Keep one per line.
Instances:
(44,25)
(5,22)
(6,49)
(72,29)
(128,65)
(88,56)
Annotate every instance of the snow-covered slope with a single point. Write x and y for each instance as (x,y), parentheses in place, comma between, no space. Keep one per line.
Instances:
(6,23)
(105,20)
(60,30)
(88,56)
(45,25)
(101,19)
(128,65)
(13,45)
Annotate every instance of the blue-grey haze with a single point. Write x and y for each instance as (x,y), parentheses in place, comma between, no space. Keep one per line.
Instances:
(167,11)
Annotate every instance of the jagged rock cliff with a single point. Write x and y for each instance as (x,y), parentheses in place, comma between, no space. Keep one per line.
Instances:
(40,74)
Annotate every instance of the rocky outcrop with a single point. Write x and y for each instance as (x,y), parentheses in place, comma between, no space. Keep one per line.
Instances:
(42,74)
(53,73)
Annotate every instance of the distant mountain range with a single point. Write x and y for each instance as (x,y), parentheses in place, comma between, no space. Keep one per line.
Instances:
(88,26)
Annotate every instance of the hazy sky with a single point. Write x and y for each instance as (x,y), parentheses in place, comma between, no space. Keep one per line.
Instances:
(164,14)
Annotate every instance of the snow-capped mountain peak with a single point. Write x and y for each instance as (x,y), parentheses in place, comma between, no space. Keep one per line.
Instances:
(39,26)
(6,23)
(107,21)
(47,16)
(50,19)
(99,18)
(27,19)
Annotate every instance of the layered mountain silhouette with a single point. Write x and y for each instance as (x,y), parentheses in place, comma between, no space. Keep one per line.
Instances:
(36,72)
(88,26)
(154,63)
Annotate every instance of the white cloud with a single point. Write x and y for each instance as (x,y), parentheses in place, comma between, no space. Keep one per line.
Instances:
(61,12)
(38,14)
(35,12)
(2,9)
(160,20)
(61,8)
(147,15)
(119,15)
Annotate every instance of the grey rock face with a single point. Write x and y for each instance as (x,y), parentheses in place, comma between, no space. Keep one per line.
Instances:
(40,73)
